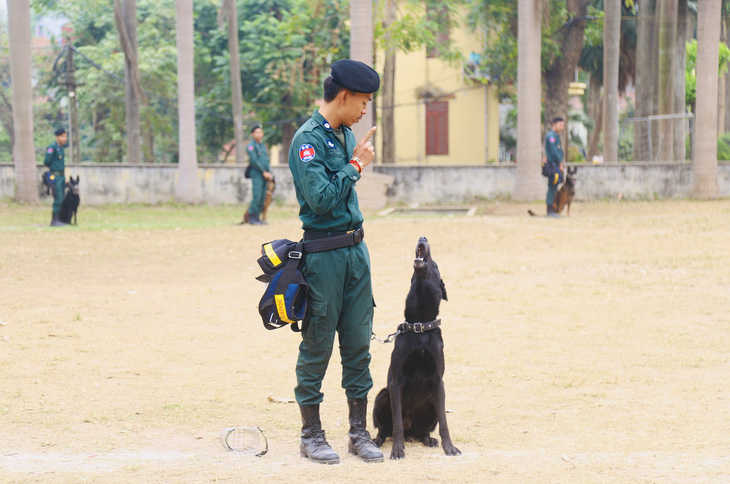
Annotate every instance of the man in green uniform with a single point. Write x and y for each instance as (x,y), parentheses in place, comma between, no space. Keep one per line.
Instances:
(259,160)
(326,162)
(55,162)
(554,153)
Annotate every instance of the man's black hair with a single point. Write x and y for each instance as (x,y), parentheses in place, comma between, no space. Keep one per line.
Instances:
(331,89)
(557,120)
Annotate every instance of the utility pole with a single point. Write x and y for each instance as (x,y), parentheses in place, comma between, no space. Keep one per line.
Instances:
(75,145)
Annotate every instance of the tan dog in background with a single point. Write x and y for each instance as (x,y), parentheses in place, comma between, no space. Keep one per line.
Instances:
(270,187)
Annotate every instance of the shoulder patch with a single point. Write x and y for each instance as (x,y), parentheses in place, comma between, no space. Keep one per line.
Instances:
(551,139)
(50,150)
(250,147)
(306,152)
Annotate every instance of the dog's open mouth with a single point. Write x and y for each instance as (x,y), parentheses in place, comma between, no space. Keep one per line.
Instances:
(421,253)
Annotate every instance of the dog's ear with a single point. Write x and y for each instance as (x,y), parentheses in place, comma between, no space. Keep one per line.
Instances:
(77,178)
(443,290)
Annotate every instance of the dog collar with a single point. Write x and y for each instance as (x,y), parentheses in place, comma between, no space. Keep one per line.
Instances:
(406,327)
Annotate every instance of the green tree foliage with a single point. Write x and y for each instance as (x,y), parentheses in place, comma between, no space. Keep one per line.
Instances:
(691,72)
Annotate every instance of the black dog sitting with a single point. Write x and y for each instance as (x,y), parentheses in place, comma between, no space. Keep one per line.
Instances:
(414,401)
(71,201)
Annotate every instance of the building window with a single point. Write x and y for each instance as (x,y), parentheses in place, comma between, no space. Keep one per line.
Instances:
(437,128)
(439,15)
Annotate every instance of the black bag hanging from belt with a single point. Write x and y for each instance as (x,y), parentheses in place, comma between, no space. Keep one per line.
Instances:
(285,299)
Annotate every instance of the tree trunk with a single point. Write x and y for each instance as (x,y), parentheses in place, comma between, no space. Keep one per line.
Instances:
(680,89)
(598,128)
(188,185)
(125,17)
(20,71)
(704,185)
(611,44)
(528,181)
(361,49)
(229,11)
(645,78)
(667,45)
(388,108)
(721,85)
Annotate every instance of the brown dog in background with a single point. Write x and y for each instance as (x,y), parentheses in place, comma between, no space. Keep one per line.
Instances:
(270,187)
(566,193)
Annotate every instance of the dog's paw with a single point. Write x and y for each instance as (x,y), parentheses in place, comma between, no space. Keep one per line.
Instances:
(430,442)
(378,441)
(451,450)
(398,452)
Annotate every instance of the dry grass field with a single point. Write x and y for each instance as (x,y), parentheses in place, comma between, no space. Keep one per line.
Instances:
(594,348)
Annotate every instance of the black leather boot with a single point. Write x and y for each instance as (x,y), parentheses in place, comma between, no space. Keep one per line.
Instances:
(360,442)
(56,221)
(314,446)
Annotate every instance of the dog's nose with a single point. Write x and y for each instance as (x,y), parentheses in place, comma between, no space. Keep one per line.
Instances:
(423,240)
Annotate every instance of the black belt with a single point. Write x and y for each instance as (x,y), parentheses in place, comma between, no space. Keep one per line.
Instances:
(321,241)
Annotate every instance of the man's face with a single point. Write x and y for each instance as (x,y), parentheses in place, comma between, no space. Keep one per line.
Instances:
(62,138)
(355,106)
(258,135)
(559,126)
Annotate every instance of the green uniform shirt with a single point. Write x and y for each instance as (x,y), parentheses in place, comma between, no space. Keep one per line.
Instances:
(553,147)
(324,179)
(54,157)
(257,156)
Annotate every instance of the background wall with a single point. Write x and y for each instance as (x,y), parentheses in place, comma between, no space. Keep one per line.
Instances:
(432,184)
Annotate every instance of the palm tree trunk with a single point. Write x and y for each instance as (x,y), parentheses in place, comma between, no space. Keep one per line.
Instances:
(361,49)
(231,10)
(667,46)
(611,47)
(188,185)
(20,71)
(388,108)
(528,181)
(645,77)
(704,185)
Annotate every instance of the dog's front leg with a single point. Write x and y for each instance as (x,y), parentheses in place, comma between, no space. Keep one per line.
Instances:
(440,403)
(396,407)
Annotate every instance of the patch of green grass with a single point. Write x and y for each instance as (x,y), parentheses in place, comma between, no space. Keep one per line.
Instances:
(24,218)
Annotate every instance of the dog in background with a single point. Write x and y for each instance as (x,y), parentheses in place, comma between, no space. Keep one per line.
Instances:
(71,200)
(415,399)
(270,187)
(566,193)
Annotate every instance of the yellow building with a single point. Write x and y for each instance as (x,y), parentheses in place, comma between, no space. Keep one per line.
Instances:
(440,116)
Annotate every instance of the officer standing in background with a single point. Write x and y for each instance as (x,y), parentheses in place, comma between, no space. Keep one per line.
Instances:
(56,163)
(554,153)
(326,162)
(259,160)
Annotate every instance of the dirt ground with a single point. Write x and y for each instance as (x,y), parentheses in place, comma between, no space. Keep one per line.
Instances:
(595,348)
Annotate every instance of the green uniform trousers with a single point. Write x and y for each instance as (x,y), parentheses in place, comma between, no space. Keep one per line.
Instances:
(60,181)
(341,301)
(259,192)
(552,189)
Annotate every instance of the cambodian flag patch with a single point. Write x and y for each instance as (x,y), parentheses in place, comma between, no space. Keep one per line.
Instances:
(552,140)
(306,152)
(50,150)
(250,148)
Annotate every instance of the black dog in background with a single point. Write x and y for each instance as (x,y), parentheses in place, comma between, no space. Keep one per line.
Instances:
(71,201)
(415,399)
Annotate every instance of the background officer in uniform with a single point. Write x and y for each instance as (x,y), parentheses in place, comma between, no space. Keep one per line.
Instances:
(326,162)
(56,163)
(554,153)
(259,160)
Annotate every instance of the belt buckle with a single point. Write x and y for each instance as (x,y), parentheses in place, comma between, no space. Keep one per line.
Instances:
(418,327)
(358,235)
(295,254)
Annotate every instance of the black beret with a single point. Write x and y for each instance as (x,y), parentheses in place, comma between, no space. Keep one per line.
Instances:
(255,127)
(355,76)
(59,131)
